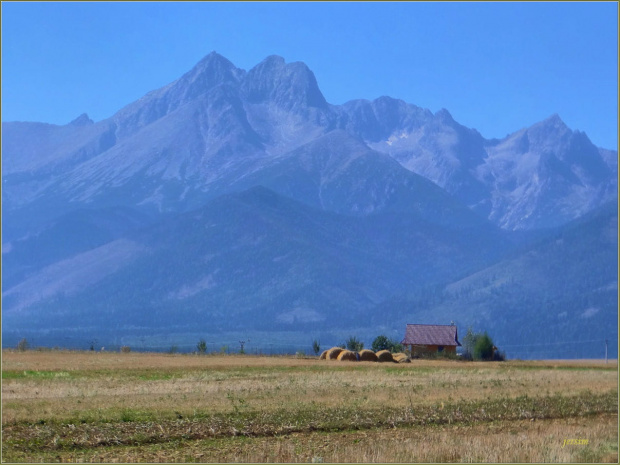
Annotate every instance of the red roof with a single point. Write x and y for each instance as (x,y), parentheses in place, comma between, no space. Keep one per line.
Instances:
(436,335)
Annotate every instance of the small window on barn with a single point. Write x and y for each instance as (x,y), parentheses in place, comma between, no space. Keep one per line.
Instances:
(440,349)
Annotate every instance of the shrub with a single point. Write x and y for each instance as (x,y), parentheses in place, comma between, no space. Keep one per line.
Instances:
(242,346)
(23,345)
(381,343)
(396,346)
(173,349)
(354,345)
(201,346)
(483,349)
(125,349)
(469,341)
(316,347)
(384,343)
(479,346)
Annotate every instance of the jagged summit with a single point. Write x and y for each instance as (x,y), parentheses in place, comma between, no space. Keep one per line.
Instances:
(82,120)
(554,119)
(213,55)
(217,116)
(444,115)
(273,60)
(551,124)
(211,71)
(215,66)
(291,86)
(552,130)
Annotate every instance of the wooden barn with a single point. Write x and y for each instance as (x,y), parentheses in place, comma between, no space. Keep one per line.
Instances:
(425,339)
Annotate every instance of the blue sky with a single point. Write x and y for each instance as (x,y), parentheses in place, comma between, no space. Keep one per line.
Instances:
(496,67)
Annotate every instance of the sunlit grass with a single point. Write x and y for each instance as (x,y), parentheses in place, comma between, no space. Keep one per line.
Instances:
(67,400)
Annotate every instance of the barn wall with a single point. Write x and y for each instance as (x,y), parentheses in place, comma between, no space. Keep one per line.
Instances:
(427,349)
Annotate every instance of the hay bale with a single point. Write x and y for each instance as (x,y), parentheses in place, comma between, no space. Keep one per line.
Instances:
(384,356)
(323,355)
(332,354)
(347,356)
(367,356)
(401,358)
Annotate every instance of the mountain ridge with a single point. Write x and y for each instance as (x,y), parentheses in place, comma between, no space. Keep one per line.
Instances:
(235,199)
(276,106)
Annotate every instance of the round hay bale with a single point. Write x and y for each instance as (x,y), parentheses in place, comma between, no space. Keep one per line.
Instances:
(323,355)
(348,356)
(384,356)
(401,358)
(332,354)
(367,356)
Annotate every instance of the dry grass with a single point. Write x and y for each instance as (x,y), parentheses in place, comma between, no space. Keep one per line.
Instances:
(42,389)
(514,442)
(368,356)
(347,356)
(401,358)
(385,356)
(83,360)
(332,354)
(105,383)
(517,442)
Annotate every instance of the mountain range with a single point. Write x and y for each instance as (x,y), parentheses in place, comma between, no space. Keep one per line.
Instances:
(234,202)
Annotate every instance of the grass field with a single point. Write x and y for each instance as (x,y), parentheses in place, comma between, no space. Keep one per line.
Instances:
(61,406)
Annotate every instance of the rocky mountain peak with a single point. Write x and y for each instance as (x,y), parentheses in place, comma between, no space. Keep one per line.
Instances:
(209,72)
(217,115)
(273,60)
(291,86)
(444,116)
(552,127)
(368,210)
(82,120)
(554,121)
